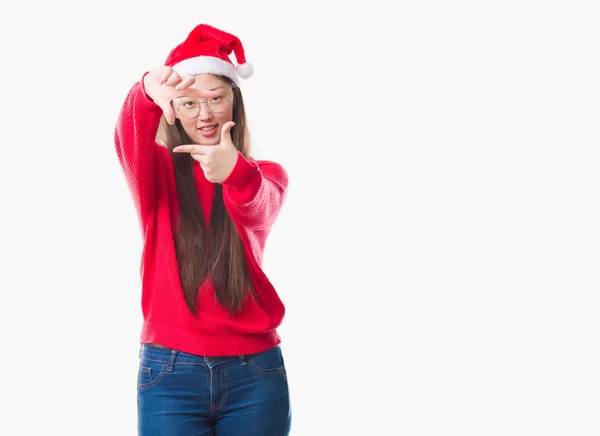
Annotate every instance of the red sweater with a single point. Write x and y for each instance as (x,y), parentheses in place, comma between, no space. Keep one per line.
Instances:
(253,195)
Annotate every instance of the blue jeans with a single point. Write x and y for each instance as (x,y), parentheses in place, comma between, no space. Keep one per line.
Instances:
(181,394)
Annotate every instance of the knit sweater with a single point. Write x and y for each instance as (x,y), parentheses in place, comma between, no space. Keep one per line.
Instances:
(253,195)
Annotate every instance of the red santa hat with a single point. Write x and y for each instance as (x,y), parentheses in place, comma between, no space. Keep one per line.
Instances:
(207,50)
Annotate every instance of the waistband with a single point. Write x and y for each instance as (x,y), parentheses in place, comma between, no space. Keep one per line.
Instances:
(169,355)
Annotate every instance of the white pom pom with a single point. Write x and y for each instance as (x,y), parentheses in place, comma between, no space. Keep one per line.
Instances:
(245,70)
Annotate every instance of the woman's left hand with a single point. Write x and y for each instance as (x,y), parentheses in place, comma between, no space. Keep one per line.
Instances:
(217,161)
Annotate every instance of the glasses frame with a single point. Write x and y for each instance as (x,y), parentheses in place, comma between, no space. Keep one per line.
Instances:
(175,104)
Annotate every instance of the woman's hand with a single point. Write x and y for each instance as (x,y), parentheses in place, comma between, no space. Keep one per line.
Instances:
(162,84)
(217,161)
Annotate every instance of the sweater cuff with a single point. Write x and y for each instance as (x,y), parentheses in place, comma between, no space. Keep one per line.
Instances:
(244,173)
(143,88)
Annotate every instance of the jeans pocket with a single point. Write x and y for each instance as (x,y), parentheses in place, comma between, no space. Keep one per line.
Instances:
(268,362)
(150,372)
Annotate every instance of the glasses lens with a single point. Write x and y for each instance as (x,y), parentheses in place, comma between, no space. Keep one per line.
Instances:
(188,107)
(218,104)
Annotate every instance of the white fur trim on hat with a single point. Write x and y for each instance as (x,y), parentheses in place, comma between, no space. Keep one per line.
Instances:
(206,64)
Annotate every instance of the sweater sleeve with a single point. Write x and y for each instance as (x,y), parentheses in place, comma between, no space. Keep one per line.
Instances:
(254,192)
(136,148)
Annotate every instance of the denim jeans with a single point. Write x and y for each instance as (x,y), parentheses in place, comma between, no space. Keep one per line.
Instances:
(181,394)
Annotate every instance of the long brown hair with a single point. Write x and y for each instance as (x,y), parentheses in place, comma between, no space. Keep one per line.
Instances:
(217,252)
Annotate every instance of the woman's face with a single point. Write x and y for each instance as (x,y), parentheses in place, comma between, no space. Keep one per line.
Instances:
(204,107)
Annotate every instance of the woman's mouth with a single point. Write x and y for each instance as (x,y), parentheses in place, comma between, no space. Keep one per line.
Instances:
(208,131)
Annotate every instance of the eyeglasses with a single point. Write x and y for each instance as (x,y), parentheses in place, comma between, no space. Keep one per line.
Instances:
(190,107)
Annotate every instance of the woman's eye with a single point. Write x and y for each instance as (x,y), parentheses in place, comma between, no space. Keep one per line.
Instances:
(189,103)
(216,99)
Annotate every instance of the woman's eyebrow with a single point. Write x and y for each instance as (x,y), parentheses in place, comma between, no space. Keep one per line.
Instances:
(194,91)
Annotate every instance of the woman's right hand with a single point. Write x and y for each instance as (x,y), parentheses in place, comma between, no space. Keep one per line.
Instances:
(162,84)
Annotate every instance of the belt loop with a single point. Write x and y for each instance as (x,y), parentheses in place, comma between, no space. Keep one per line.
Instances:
(171,363)
(243,360)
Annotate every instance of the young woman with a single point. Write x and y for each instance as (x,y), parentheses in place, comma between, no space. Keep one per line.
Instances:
(210,359)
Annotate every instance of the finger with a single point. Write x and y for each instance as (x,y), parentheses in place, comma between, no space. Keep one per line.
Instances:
(184,149)
(226,131)
(208,94)
(173,79)
(169,114)
(165,75)
(204,150)
(186,83)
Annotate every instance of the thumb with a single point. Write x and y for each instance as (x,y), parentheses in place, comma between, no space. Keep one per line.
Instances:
(225,132)
(169,114)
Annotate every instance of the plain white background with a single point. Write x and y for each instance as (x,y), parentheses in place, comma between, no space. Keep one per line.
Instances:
(438,250)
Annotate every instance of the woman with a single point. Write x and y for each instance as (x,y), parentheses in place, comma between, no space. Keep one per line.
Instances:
(210,360)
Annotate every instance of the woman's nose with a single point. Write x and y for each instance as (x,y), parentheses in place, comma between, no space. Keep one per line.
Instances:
(205,112)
